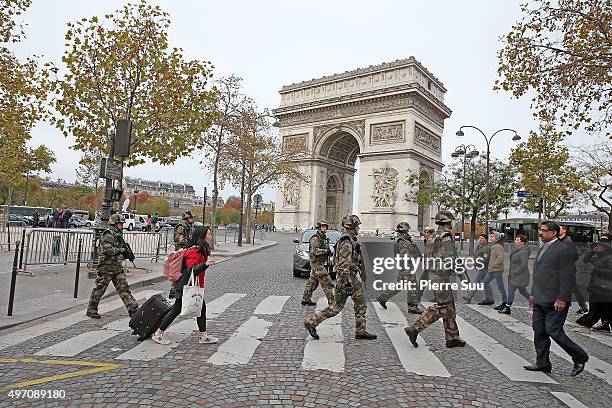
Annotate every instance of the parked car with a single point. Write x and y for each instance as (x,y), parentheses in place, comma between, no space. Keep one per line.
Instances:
(173,221)
(20,219)
(301,258)
(232,227)
(79,222)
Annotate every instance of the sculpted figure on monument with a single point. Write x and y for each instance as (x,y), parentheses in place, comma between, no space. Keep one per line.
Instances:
(385,186)
(291,193)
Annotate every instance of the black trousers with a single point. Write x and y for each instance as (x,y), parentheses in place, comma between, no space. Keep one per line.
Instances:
(176,310)
(548,324)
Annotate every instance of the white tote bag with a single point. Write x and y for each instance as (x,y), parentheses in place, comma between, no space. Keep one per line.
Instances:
(193,298)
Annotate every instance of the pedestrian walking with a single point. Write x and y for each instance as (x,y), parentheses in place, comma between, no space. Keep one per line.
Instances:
(349,283)
(112,250)
(482,253)
(518,275)
(66,215)
(404,247)
(182,238)
(35,219)
(496,270)
(149,223)
(319,251)
(196,260)
(440,248)
(573,253)
(553,278)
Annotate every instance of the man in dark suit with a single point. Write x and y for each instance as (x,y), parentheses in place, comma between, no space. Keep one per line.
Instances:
(553,279)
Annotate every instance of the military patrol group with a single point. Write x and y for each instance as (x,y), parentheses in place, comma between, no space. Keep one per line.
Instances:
(350,278)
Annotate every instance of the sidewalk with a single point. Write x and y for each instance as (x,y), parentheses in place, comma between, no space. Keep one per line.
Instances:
(51,289)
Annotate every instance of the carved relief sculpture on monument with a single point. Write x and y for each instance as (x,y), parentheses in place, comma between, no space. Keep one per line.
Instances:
(291,193)
(384,191)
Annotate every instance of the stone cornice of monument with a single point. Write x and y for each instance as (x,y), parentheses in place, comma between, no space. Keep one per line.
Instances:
(385,66)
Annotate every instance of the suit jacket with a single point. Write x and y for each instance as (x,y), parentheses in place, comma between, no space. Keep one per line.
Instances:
(553,275)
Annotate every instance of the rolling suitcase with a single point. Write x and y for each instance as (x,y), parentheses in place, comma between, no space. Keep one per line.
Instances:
(148,317)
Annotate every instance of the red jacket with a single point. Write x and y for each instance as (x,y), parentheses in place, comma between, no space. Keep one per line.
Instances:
(192,257)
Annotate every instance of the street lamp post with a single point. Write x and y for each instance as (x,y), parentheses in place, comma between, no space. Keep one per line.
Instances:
(467,152)
(515,138)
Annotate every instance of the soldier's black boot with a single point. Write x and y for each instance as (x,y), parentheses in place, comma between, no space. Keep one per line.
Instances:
(455,343)
(308,303)
(501,306)
(505,310)
(311,330)
(412,335)
(382,303)
(365,336)
(93,315)
(415,310)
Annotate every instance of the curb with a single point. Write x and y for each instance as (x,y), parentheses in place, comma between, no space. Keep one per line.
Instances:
(142,283)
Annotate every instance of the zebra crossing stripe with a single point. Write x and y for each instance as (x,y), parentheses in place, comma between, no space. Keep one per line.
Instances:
(176,333)
(421,360)
(271,305)
(595,366)
(76,345)
(17,337)
(568,400)
(241,346)
(327,353)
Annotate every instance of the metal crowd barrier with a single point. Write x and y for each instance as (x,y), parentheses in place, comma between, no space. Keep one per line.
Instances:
(48,246)
(10,233)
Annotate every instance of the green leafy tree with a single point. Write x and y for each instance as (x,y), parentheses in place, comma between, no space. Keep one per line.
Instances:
(546,172)
(121,67)
(561,51)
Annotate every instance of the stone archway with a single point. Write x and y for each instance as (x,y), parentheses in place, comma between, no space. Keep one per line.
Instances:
(390,116)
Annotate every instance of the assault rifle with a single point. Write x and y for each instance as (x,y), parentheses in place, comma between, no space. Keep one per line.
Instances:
(128,253)
(361,266)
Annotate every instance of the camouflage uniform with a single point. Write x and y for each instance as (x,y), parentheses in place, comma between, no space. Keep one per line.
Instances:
(405,246)
(182,237)
(347,260)
(111,255)
(318,250)
(441,245)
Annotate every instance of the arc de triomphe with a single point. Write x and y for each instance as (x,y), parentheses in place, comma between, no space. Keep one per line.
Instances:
(391,116)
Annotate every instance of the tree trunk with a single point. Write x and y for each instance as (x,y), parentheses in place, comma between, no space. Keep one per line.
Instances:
(473,234)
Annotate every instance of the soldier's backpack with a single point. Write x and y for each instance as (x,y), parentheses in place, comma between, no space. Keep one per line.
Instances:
(173,267)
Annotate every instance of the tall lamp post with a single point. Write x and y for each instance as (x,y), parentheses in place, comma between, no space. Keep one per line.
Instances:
(515,138)
(466,152)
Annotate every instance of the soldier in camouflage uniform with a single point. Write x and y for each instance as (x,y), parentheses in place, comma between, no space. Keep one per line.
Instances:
(111,253)
(347,261)
(404,246)
(440,246)
(318,248)
(182,237)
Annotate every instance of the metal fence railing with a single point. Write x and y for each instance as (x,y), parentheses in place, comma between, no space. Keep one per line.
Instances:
(10,233)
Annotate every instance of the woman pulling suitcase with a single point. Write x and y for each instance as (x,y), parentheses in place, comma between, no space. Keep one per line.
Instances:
(196,261)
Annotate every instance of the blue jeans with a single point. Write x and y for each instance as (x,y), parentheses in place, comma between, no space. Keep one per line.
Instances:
(487,287)
(512,289)
(500,284)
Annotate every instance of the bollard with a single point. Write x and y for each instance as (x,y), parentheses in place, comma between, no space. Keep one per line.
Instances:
(21,252)
(254,231)
(78,270)
(67,247)
(13,281)
(8,231)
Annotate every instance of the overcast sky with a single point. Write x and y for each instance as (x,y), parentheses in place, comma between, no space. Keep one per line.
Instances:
(273,43)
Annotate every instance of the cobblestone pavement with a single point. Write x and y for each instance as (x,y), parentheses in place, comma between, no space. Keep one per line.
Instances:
(264,356)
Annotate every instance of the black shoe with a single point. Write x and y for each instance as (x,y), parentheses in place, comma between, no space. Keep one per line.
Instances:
(308,303)
(605,326)
(455,343)
(412,335)
(505,310)
(578,368)
(93,315)
(501,306)
(365,336)
(467,299)
(582,310)
(486,302)
(415,310)
(535,367)
(311,330)
(382,303)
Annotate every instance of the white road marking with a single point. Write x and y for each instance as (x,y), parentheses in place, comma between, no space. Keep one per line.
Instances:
(75,345)
(241,346)
(421,360)
(568,400)
(594,366)
(271,305)
(327,353)
(17,337)
(149,350)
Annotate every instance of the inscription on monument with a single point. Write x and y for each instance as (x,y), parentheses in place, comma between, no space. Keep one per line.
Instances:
(387,133)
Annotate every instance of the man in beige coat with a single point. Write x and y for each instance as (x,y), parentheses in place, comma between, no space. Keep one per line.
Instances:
(496,267)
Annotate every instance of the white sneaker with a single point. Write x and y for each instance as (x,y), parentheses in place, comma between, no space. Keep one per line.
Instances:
(208,339)
(160,339)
